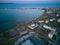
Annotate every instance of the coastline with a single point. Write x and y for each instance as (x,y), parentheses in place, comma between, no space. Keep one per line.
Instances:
(44,17)
(25,24)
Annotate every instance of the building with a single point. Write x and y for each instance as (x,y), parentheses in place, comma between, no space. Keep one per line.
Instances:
(53,39)
(58,16)
(49,12)
(50,35)
(46,21)
(41,21)
(52,19)
(49,28)
(32,26)
(58,20)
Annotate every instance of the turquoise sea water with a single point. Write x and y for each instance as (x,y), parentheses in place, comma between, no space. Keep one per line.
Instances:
(21,16)
(29,5)
(6,26)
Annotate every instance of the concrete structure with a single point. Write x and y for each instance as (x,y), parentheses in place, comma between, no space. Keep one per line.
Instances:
(49,12)
(58,15)
(32,26)
(41,21)
(58,20)
(50,35)
(46,21)
(52,19)
(49,28)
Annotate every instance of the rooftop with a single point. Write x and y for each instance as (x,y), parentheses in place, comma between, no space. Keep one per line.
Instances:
(32,26)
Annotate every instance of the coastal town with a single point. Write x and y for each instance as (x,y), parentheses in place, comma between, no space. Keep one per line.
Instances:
(45,30)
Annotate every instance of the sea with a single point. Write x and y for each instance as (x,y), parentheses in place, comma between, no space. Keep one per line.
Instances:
(21,16)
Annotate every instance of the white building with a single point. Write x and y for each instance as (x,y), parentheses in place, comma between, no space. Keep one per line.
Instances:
(46,21)
(49,28)
(50,35)
(32,26)
(57,15)
(58,20)
(52,19)
(41,21)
